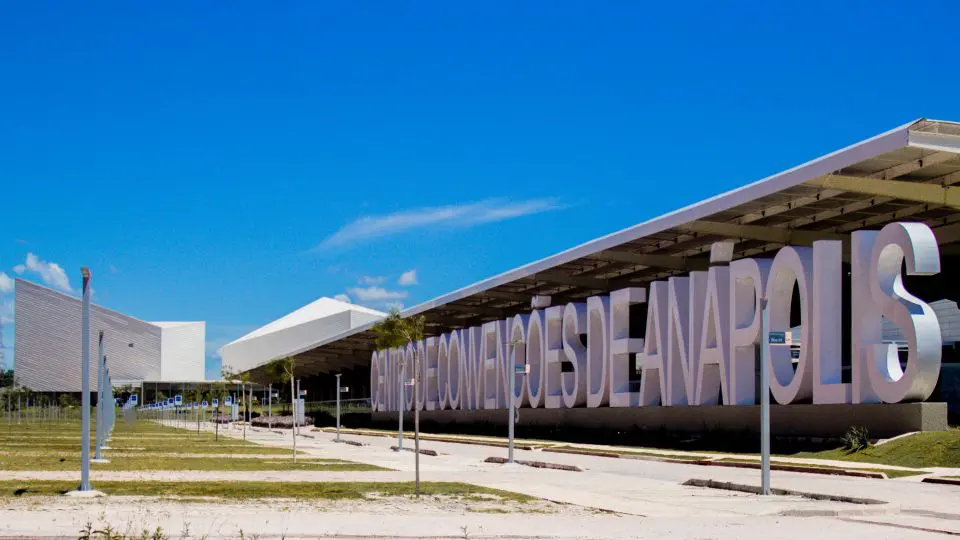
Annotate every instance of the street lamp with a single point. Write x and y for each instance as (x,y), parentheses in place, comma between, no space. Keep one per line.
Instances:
(85,383)
(515,369)
(340,389)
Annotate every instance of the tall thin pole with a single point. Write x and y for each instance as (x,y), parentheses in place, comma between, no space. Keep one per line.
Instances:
(85,383)
(101,423)
(293,431)
(400,408)
(765,398)
(270,406)
(416,418)
(513,383)
(300,406)
(338,407)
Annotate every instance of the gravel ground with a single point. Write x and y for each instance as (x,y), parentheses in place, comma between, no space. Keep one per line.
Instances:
(399,518)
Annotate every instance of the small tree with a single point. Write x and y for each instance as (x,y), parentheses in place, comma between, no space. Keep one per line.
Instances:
(396,331)
(197,397)
(284,370)
(218,391)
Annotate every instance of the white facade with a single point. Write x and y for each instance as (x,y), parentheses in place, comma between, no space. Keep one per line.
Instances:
(318,320)
(181,343)
(48,344)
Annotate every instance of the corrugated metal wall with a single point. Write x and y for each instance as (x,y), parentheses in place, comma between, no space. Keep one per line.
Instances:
(48,342)
(182,351)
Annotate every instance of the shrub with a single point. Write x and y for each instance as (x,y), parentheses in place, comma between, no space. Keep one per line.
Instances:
(856,438)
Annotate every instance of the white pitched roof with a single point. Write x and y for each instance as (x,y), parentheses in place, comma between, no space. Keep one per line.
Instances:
(318,309)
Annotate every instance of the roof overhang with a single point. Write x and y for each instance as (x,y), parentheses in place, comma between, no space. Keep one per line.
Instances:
(907,173)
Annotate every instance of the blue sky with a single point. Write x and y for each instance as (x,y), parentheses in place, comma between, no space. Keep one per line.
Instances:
(230,162)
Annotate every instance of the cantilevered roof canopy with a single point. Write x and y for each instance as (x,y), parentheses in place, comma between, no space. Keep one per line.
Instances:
(907,173)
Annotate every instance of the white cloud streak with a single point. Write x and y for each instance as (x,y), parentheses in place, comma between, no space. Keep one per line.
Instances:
(408,278)
(50,273)
(372,280)
(462,215)
(376,294)
(6,283)
(342,298)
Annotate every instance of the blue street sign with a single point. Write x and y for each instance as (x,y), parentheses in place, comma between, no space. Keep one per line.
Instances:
(169,401)
(228,401)
(204,404)
(216,402)
(178,399)
(133,399)
(777,338)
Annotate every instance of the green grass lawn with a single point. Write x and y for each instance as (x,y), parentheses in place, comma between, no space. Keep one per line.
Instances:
(261,490)
(48,462)
(145,446)
(919,450)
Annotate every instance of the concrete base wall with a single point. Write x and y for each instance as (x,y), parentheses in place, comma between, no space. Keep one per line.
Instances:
(883,420)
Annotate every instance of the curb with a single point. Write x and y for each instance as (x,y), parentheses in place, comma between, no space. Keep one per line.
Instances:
(745,488)
(941,480)
(789,468)
(353,443)
(596,453)
(535,464)
(423,451)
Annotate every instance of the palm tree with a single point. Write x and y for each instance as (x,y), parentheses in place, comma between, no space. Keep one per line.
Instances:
(396,331)
(283,369)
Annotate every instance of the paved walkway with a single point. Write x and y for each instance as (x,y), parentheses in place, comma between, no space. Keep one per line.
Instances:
(639,487)
(647,499)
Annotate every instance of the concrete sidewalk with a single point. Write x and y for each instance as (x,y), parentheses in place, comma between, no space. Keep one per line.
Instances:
(638,487)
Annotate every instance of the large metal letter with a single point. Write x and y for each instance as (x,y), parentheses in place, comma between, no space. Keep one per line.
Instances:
(553,396)
(598,351)
(535,352)
(454,373)
(653,380)
(574,325)
(915,244)
(828,385)
(865,328)
(715,339)
(517,352)
(622,346)
(443,368)
(791,265)
(748,281)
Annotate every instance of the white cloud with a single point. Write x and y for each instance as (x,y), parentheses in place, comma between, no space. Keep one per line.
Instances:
(462,215)
(376,294)
(19,268)
(408,278)
(50,273)
(213,347)
(342,298)
(7,311)
(6,284)
(372,280)
(395,305)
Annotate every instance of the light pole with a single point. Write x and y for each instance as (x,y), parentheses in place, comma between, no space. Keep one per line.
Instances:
(85,383)
(416,417)
(765,396)
(270,406)
(400,407)
(338,407)
(515,369)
